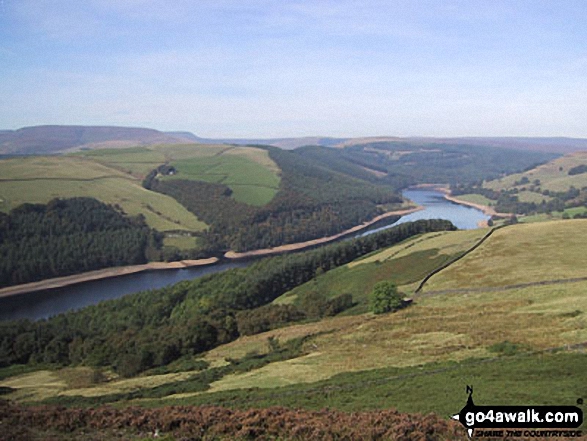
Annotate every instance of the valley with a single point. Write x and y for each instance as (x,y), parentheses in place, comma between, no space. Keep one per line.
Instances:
(500,307)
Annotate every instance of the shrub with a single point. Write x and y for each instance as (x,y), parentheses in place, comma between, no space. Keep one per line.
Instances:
(385,298)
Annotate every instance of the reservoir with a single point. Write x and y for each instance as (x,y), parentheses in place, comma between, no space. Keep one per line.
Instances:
(46,303)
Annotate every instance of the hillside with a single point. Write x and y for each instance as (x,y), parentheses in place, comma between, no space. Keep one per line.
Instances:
(57,139)
(206,198)
(552,190)
(549,145)
(261,197)
(38,179)
(404,163)
(490,321)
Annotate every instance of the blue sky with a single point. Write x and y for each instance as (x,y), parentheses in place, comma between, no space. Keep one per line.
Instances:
(261,68)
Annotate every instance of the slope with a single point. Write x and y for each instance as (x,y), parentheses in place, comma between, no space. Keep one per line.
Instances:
(56,139)
(40,179)
(439,343)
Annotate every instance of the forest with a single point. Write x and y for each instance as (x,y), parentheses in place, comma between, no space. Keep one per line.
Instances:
(313,201)
(68,236)
(410,163)
(506,201)
(153,328)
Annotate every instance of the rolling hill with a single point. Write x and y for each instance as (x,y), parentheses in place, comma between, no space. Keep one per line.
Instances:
(549,191)
(57,139)
(507,315)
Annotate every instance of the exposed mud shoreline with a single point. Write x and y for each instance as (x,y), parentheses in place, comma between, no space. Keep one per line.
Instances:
(106,273)
(310,243)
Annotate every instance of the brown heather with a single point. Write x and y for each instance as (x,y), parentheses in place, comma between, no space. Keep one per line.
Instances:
(21,423)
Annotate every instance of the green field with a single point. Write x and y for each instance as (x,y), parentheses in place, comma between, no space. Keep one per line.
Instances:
(475,199)
(531,196)
(404,264)
(249,173)
(187,151)
(556,215)
(40,179)
(137,161)
(114,176)
(553,176)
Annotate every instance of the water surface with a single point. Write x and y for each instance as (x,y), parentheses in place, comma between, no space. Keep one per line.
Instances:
(43,304)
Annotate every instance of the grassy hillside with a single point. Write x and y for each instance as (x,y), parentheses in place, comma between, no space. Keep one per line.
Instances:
(548,190)
(40,179)
(114,176)
(249,172)
(234,197)
(553,176)
(138,161)
(500,338)
(528,253)
(404,264)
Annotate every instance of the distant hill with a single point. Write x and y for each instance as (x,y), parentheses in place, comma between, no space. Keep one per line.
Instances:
(559,145)
(58,139)
(284,143)
(189,136)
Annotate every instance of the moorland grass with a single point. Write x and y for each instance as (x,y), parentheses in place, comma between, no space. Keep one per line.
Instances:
(533,379)
(522,253)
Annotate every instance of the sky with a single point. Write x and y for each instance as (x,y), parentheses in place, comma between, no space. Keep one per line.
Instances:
(280,68)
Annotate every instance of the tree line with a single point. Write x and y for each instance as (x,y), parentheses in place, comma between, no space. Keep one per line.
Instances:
(154,328)
(507,201)
(68,236)
(312,202)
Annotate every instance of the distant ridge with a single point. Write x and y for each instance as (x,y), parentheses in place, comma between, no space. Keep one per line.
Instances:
(53,139)
(284,143)
(187,136)
(57,139)
(560,145)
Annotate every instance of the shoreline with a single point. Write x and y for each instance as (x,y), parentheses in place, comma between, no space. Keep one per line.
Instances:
(106,273)
(233,255)
(445,189)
